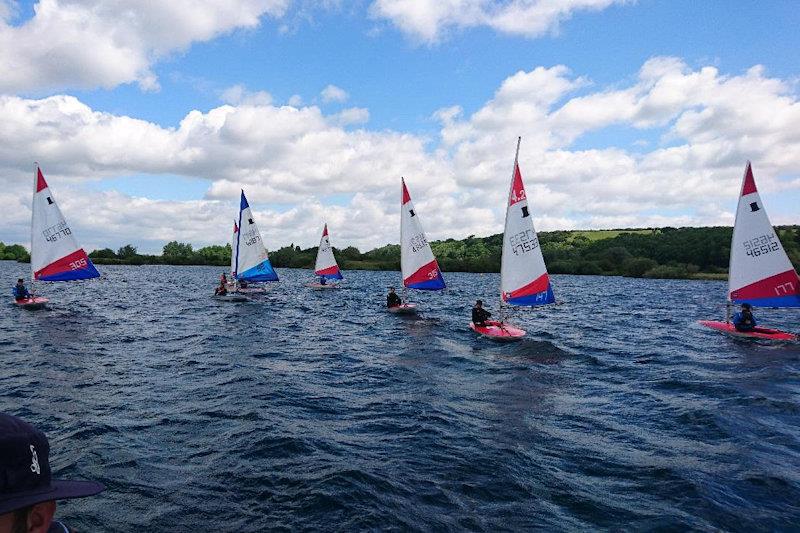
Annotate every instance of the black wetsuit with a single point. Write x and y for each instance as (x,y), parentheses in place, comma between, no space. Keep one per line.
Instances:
(480,315)
(393,300)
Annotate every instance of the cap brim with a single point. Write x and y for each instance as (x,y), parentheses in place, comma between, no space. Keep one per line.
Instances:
(59,489)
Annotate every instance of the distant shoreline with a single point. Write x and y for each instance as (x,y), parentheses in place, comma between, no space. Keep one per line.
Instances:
(657,253)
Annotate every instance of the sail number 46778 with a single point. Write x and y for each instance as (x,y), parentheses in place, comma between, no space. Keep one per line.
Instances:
(761,245)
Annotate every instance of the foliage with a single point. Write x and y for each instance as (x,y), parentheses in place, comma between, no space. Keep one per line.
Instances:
(14,252)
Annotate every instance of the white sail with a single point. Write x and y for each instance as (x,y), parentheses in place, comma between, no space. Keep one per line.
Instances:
(55,254)
(760,273)
(251,259)
(523,274)
(417,262)
(233,249)
(326,262)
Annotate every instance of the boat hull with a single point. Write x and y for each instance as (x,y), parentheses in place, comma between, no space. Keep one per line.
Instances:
(757,333)
(404,309)
(36,302)
(321,287)
(498,331)
(232,298)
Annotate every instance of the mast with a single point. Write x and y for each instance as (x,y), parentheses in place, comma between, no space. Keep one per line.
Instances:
(505,223)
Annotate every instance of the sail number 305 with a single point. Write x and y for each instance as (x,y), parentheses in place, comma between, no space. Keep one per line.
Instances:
(76,265)
(761,245)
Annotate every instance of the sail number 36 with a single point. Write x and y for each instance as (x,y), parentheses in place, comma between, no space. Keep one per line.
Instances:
(761,245)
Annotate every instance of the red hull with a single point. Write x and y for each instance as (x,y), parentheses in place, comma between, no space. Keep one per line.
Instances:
(500,331)
(757,333)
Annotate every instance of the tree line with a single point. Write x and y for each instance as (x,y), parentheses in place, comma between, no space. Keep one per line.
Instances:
(652,253)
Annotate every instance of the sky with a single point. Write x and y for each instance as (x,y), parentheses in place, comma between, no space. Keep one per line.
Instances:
(149,117)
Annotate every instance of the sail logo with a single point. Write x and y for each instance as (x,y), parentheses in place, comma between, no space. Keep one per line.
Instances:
(35,461)
(785,289)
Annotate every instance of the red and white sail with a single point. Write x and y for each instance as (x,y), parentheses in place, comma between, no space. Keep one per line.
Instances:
(760,273)
(417,263)
(55,254)
(326,265)
(523,274)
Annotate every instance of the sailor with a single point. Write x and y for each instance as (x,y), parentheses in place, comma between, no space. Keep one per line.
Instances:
(20,292)
(222,290)
(322,280)
(223,279)
(28,494)
(392,299)
(479,314)
(744,319)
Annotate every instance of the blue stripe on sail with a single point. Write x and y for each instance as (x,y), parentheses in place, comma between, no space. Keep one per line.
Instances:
(261,272)
(242,206)
(435,284)
(531,300)
(338,275)
(88,272)
(791,300)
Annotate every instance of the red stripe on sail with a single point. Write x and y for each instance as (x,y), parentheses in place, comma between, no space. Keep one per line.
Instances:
(749,184)
(325,230)
(784,284)
(74,261)
(40,183)
(426,273)
(406,196)
(536,286)
(327,271)
(517,188)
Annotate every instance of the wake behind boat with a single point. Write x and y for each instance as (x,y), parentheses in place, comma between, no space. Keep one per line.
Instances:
(760,272)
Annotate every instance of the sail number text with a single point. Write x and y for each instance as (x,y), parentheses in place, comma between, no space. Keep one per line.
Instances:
(251,238)
(76,265)
(56,232)
(761,245)
(524,242)
(418,242)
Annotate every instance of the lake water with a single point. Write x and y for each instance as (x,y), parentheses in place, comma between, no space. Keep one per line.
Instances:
(319,410)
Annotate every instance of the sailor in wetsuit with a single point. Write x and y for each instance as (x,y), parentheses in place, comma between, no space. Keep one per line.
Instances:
(479,314)
(20,292)
(392,299)
(323,280)
(744,319)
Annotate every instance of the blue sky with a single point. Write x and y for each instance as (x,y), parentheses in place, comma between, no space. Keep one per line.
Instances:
(402,79)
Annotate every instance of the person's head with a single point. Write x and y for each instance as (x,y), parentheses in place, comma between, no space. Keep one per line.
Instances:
(27,492)
(746,307)
(391,290)
(20,281)
(478,303)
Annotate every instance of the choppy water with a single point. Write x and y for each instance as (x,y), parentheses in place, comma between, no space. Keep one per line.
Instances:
(319,410)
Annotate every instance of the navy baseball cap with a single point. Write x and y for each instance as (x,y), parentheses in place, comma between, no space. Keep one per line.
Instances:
(25,469)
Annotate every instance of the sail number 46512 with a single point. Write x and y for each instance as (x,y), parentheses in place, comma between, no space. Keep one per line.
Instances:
(761,245)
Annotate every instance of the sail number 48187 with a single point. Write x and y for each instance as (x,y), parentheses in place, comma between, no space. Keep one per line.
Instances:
(761,245)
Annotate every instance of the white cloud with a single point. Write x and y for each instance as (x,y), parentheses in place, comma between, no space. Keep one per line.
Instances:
(291,159)
(332,93)
(239,95)
(105,43)
(426,20)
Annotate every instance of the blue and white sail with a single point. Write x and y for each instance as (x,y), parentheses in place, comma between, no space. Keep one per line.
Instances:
(251,262)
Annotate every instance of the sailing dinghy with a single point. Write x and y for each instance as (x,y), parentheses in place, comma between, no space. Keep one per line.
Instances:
(326,266)
(760,272)
(55,254)
(523,275)
(249,258)
(417,263)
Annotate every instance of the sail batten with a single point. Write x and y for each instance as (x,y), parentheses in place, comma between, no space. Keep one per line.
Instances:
(251,261)
(326,265)
(55,253)
(760,272)
(419,267)
(524,280)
